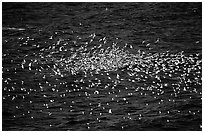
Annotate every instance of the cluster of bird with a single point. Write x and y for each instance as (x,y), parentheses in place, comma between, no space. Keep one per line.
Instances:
(119,78)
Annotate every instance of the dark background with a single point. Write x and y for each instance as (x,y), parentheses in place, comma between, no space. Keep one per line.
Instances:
(177,25)
(132,22)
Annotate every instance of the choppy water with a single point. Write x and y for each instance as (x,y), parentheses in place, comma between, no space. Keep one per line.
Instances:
(102,66)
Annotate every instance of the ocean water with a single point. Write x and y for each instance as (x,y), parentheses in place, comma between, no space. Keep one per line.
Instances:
(102,66)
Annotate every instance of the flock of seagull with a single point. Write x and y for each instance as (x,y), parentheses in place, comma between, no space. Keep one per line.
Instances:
(99,81)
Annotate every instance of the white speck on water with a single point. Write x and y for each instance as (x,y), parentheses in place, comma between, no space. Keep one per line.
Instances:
(110,111)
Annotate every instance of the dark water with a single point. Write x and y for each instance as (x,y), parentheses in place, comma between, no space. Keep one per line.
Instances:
(160,88)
